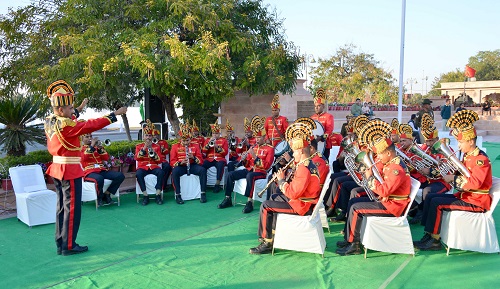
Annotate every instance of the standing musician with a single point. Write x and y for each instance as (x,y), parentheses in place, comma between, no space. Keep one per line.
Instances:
(296,194)
(325,119)
(437,185)
(243,145)
(196,138)
(93,155)
(473,190)
(63,143)
(215,150)
(149,161)
(393,192)
(187,163)
(276,124)
(257,161)
(165,165)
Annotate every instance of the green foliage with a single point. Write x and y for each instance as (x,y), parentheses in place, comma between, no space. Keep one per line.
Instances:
(486,64)
(41,156)
(15,113)
(348,75)
(453,76)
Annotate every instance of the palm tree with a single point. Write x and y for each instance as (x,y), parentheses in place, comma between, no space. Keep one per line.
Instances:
(15,114)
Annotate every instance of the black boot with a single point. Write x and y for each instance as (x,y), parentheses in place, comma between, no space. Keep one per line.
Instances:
(145,200)
(331,212)
(352,249)
(342,244)
(424,239)
(203,198)
(217,188)
(339,218)
(430,245)
(226,203)
(76,250)
(158,200)
(99,201)
(263,248)
(179,200)
(107,199)
(418,218)
(248,207)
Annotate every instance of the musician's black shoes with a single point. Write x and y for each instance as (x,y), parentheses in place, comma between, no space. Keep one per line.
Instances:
(342,244)
(76,250)
(107,199)
(339,218)
(430,245)
(418,218)
(263,248)
(179,200)
(145,200)
(99,202)
(158,200)
(424,239)
(331,212)
(217,188)
(352,249)
(226,203)
(248,207)
(203,198)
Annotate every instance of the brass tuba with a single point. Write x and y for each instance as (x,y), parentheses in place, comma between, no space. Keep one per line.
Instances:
(450,164)
(366,158)
(422,160)
(406,159)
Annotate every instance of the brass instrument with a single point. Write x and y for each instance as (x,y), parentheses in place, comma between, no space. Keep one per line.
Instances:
(151,153)
(367,160)
(155,140)
(232,141)
(240,145)
(274,179)
(211,143)
(450,164)
(406,159)
(421,160)
(107,142)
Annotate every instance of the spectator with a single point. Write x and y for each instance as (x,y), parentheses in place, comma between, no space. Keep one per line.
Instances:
(461,107)
(356,109)
(486,107)
(416,131)
(426,108)
(446,114)
(366,109)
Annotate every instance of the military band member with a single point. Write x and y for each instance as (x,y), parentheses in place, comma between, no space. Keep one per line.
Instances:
(244,145)
(147,155)
(296,194)
(196,137)
(276,124)
(215,150)
(186,158)
(405,143)
(320,161)
(473,191)
(165,165)
(232,141)
(395,131)
(326,120)
(93,157)
(393,192)
(257,161)
(63,143)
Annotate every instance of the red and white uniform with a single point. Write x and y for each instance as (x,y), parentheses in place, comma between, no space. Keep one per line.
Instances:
(144,161)
(178,154)
(211,153)
(92,159)
(273,132)
(328,124)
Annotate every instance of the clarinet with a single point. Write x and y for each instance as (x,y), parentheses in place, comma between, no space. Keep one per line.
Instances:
(188,161)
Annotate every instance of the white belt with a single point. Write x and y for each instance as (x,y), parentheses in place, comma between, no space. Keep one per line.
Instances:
(66,160)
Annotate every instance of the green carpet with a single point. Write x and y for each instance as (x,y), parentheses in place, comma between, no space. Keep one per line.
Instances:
(199,246)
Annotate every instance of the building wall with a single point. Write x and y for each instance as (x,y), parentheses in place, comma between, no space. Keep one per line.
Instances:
(475,89)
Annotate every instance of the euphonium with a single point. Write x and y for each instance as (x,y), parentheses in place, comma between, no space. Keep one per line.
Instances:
(406,159)
(450,164)
(367,160)
(424,160)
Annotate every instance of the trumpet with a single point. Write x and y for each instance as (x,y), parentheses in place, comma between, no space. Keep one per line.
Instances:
(240,145)
(211,143)
(232,142)
(450,164)
(107,142)
(274,179)
(151,152)
(155,140)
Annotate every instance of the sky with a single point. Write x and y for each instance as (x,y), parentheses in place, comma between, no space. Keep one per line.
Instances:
(440,35)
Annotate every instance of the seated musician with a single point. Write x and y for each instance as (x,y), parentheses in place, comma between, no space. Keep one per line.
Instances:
(395,131)
(196,137)
(436,183)
(393,189)
(275,124)
(232,142)
(215,150)
(473,182)
(189,163)
(148,159)
(93,156)
(257,160)
(326,120)
(405,144)
(320,161)
(165,165)
(303,186)
(243,145)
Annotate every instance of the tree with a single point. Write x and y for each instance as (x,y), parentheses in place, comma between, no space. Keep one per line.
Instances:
(453,76)
(486,64)
(348,75)
(190,52)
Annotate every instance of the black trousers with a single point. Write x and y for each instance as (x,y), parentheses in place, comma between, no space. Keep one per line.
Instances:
(167,170)
(333,192)
(68,212)
(140,174)
(241,174)
(219,165)
(116,178)
(194,169)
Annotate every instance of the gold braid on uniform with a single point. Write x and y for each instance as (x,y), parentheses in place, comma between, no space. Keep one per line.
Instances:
(57,124)
(374,131)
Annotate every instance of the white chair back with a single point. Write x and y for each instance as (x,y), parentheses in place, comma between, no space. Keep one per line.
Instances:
(415,185)
(322,195)
(495,195)
(27,179)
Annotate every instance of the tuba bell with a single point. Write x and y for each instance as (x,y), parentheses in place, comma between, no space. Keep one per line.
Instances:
(366,159)
(450,164)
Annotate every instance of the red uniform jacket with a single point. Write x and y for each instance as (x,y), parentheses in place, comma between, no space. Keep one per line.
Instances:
(304,184)
(322,165)
(199,140)
(211,154)
(327,122)
(272,132)
(66,164)
(396,186)
(178,154)
(163,150)
(263,161)
(335,140)
(233,153)
(475,190)
(144,161)
(435,175)
(92,159)
(251,142)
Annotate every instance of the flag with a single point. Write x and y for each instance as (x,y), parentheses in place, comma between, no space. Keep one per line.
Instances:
(469,71)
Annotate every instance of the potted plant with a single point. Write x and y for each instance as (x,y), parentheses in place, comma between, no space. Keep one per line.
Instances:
(113,163)
(128,162)
(4,176)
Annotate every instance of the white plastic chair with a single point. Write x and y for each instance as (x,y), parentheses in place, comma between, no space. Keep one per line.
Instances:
(150,181)
(301,233)
(389,234)
(241,185)
(89,192)
(334,151)
(472,231)
(35,204)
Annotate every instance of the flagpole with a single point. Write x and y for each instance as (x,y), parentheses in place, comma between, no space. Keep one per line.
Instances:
(401,62)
